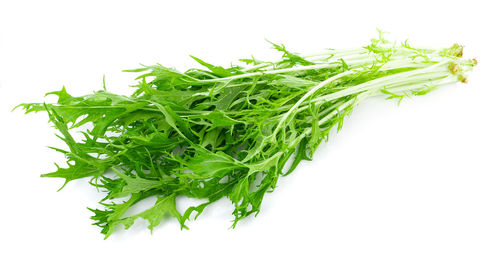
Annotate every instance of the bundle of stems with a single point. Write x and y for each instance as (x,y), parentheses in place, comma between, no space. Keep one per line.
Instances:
(228,132)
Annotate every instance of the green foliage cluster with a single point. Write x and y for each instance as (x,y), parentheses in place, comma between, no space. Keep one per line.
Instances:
(230,132)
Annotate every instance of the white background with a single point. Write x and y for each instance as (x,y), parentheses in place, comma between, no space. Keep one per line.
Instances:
(419,179)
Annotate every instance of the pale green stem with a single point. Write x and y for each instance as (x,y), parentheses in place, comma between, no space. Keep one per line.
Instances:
(388,66)
(384,81)
(309,93)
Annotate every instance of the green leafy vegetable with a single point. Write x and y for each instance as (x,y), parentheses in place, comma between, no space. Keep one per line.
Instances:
(228,132)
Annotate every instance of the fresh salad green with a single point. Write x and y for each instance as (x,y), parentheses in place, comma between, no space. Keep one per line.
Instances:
(217,132)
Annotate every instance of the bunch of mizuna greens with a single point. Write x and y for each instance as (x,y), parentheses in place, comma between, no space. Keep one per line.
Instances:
(227,132)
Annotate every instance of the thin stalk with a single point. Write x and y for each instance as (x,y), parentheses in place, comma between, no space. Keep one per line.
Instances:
(384,81)
(309,93)
(388,66)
